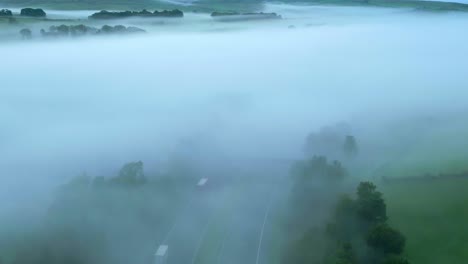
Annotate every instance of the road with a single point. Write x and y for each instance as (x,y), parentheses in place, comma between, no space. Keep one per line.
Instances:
(226,221)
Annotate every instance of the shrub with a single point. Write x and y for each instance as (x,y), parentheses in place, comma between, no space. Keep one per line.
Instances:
(386,239)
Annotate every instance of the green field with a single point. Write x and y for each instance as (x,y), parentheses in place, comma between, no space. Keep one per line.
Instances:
(433,214)
(432,6)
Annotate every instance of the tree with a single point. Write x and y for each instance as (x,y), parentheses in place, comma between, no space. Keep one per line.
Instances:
(363,220)
(25,33)
(345,255)
(386,239)
(319,168)
(371,206)
(135,30)
(131,174)
(107,29)
(328,141)
(350,146)
(32,12)
(344,225)
(78,30)
(120,28)
(63,30)
(6,12)
(104,14)
(336,171)
(395,260)
(324,142)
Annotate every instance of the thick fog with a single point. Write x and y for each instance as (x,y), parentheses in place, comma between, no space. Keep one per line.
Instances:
(230,92)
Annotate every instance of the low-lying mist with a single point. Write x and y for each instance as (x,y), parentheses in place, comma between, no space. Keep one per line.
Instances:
(240,97)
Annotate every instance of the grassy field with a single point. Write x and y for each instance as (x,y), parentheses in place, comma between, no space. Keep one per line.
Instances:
(433,214)
(414,4)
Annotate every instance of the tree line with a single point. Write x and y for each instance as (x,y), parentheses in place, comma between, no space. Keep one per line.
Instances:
(104,14)
(30,12)
(80,30)
(325,226)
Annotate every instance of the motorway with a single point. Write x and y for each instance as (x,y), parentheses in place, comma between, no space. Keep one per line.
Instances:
(225,221)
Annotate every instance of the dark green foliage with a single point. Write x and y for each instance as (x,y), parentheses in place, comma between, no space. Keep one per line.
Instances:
(216,13)
(371,206)
(56,31)
(362,224)
(346,255)
(395,260)
(309,248)
(33,12)
(6,12)
(134,30)
(318,168)
(328,141)
(25,33)
(63,29)
(350,146)
(97,220)
(316,183)
(386,239)
(119,29)
(344,227)
(81,30)
(107,29)
(131,174)
(331,141)
(165,13)
(236,16)
(341,253)
(144,13)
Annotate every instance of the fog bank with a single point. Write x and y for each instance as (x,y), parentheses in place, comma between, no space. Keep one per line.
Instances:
(251,93)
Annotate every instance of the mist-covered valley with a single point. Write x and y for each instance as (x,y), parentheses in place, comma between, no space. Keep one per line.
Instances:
(105,141)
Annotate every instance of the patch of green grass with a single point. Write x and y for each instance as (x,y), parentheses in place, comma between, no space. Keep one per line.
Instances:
(433,6)
(433,215)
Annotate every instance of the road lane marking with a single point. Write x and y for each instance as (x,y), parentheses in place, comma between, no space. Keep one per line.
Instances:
(267,212)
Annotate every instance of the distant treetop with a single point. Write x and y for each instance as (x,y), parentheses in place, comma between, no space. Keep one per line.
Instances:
(229,16)
(33,12)
(5,12)
(81,30)
(104,14)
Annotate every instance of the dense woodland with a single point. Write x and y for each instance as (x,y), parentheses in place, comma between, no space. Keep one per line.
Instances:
(144,13)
